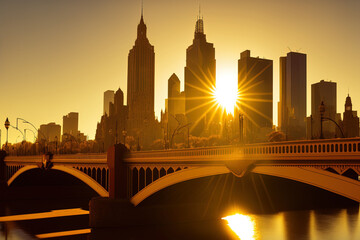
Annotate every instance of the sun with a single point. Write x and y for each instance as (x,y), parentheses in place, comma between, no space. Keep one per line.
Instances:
(226,92)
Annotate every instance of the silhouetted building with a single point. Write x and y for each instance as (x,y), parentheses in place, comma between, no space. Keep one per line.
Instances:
(71,124)
(108,98)
(50,132)
(200,73)
(350,123)
(325,92)
(175,104)
(140,88)
(292,105)
(176,99)
(255,83)
(113,127)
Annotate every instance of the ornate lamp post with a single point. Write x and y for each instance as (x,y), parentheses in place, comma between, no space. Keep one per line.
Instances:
(7,125)
(322,111)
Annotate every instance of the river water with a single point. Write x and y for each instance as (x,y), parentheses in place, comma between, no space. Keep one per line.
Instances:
(306,224)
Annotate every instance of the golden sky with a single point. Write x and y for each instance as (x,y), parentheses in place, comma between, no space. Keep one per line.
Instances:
(59,56)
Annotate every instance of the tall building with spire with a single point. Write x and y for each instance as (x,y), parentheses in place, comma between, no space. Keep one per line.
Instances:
(350,122)
(140,86)
(200,72)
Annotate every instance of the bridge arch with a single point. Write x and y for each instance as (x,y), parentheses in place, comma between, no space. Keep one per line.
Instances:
(326,180)
(176,177)
(72,171)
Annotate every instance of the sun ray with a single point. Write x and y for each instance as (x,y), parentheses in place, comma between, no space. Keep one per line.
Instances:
(256,100)
(202,116)
(255,110)
(199,106)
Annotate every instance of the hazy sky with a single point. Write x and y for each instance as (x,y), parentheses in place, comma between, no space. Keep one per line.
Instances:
(59,56)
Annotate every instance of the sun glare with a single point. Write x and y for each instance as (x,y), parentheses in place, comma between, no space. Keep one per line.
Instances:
(242,225)
(226,92)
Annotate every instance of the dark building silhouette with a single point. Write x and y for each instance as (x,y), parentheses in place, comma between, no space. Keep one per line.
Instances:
(112,127)
(176,99)
(71,128)
(108,98)
(255,83)
(71,124)
(50,132)
(325,92)
(174,115)
(200,73)
(292,105)
(140,88)
(350,122)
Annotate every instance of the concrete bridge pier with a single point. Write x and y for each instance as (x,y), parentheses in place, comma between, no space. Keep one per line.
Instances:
(3,182)
(115,210)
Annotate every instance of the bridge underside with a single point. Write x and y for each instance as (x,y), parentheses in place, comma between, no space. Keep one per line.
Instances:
(92,183)
(320,178)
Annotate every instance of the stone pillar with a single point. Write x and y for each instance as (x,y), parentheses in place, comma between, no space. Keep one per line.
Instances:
(118,172)
(3,182)
(116,210)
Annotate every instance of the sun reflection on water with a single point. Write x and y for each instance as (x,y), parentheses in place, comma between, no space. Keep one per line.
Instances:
(242,225)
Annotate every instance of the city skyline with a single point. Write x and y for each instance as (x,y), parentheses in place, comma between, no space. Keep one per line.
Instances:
(27,105)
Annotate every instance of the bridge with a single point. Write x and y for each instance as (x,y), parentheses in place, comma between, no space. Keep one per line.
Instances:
(333,165)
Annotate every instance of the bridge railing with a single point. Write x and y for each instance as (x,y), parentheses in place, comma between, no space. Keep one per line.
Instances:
(291,148)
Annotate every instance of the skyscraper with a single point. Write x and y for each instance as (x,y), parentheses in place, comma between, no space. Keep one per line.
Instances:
(108,98)
(49,132)
(292,117)
(175,97)
(255,83)
(199,80)
(71,123)
(140,87)
(325,92)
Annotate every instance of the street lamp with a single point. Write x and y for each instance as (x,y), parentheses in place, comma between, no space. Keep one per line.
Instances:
(241,128)
(322,118)
(7,125)
(124,134)
(322,111)
(56,143)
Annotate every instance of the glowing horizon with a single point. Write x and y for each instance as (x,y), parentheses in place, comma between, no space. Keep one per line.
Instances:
(54,61)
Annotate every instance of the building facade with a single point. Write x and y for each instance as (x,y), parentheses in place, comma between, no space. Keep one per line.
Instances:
(325,92)
(292,113)
(50,132)
(108,98)
(200,80)
(71,124)
(140,84)
(255,87)
(350,122)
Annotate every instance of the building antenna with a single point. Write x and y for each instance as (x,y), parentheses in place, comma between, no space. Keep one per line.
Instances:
(199,10)
(142,7)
